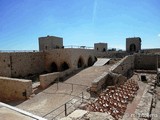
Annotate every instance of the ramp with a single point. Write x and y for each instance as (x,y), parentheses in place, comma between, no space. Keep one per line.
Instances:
(101,61)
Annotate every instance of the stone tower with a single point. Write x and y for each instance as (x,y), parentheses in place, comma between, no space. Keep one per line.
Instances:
(133,44)
(50,42)
(101,47)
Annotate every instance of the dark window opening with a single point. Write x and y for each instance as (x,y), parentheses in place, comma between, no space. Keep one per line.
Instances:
(64,66)
(54,67)
(104,50)
(95,58)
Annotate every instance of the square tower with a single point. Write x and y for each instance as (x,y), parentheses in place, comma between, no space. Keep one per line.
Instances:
(133,44)
(50,43)
(100,47)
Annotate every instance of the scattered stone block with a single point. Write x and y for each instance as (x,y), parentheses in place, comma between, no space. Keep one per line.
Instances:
(77,114)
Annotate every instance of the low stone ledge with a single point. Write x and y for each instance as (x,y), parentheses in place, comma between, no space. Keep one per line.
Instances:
(12,89)
(47,79)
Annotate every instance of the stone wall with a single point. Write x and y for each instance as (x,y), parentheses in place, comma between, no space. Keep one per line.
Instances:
(101,47)
(133,44)
(83,54)
(23,64)
(156,50)
(47,79)
(124,66)
(20,64)
(98,83)
(116,54)
(50,43)
(146,61)
(14,89)
(116,75)
(69,56)
(5,65)
(106,79)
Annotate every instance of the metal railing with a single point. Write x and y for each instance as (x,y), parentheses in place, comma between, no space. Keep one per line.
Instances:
(80,47)
(12,51)
(68,106)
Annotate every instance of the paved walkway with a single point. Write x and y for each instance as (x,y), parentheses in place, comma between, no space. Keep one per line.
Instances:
(51,98)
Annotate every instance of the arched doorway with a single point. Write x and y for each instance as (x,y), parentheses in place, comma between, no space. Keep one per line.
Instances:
(54,67)
(64,66)
(132,48)
(90,61)
(95,58)
(80,63)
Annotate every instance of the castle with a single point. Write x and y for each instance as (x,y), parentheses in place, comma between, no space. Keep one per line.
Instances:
(19,70)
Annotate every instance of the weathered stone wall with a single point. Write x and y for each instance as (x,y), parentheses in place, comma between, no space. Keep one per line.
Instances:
(84,54)
(116,54)
(20,64)
(57,56)
(156,50)
(70,56)
(14,89)
(135,41)
(101,47)
(5,65)
(98,83)
(111,54)
(23,64)
(146,61)
(124,66)
(47,79)
(50,43)
(106,79)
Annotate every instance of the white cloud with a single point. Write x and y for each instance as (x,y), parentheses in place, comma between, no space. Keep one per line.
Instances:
(158,35)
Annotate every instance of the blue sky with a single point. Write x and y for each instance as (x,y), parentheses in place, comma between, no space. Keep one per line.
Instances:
(79,22)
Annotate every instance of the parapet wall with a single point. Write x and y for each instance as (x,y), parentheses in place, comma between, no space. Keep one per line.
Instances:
(156,50)
(14,89)
(146,61)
